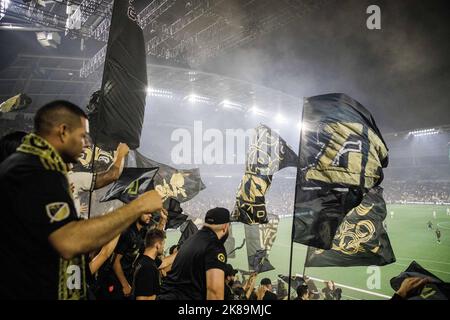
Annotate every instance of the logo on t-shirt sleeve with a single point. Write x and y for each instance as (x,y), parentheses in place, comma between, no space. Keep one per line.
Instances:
(57,211)
(221,257)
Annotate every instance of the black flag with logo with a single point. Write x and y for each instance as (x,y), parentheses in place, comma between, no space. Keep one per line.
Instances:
(267,154)
(342,154)
(435,289)
(179,184)
(132,183)
(259,240)
(361,239)
(118,113)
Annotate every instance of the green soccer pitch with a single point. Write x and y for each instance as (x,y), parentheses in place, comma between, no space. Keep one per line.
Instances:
(410,238)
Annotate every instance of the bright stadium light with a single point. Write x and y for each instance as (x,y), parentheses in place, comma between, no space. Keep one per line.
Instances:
(280,118)
(153,92)
(4,4)
(299,125)
(256,111)
(424,132)
(193,98)
(227,104)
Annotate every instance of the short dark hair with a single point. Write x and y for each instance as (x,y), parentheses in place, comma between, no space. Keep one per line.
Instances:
(153,236)
(56,112)
(302,289)
(9,143)
(265,282)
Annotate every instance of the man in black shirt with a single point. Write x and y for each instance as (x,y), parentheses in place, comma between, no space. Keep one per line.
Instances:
(198,270)
(147,278)
(41,241)
(130,246)
(266,286)
(230,273)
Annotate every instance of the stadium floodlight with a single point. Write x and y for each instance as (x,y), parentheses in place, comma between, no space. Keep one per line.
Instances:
(280,118)
(153,92)
(424,132)
(193,98)
(48,39)
(256,111)
(4,4)
(230,105)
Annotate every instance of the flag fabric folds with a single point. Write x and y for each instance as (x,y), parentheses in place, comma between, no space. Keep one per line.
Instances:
(341,157)
(187,229)
(182,185)
(132,183)
(18,102)
(259,241)
(175,214)
(267,154)
(435,289)
(361,239)
(118,113)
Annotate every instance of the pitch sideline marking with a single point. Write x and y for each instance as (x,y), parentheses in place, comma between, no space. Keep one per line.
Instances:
(355,289)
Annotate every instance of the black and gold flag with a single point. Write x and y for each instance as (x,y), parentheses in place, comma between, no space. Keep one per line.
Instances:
(179,184)
(132,183)
(259,240)
(361,239)
(435,289)
(342,154)
(267,154)
(117,114)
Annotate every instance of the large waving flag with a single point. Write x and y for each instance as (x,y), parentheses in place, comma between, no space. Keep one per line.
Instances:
(118,113)
(361,239)
(342,154)
(259,241)
(132,183)
(435,289)
(267,154)
(178,184)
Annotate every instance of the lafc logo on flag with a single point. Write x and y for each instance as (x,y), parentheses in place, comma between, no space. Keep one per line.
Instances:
(57,211)
(133,188)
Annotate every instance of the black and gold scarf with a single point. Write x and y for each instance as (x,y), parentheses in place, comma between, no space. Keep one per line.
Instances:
(50,158)
(72,273)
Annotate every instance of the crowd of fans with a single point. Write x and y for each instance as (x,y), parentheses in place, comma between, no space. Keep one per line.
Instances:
(125,249)
(425,191)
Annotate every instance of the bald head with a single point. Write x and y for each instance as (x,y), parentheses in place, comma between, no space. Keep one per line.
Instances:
(221,230)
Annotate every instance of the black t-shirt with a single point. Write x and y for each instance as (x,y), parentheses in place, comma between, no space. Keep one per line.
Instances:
(36,202)
(270,296)
(147,280)
(131,246)
(228,294)
(187,278)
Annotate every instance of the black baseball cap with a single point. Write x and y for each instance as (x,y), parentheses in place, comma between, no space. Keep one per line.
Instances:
(217,216)
(265,282)
(229,270)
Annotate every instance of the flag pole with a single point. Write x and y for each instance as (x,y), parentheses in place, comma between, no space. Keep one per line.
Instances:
(297,182)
